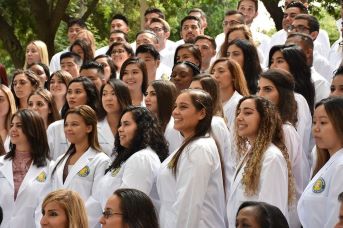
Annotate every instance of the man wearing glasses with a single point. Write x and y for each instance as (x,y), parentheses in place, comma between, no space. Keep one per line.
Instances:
(308,24)
(232,18)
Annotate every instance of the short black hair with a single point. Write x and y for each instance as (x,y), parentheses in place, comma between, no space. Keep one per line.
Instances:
(77,59)
(93,65)
(155,10)
(298,5)
(339,71)
(150,49)
(197,10)
(126,37)
(77,21)
(340,197)
(120,17)
(206,37)
(186,18)
(305,38)
(312,21)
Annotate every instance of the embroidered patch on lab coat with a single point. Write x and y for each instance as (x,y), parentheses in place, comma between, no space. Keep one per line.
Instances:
(318,186)
(41,177)
(84,171)
(115,172)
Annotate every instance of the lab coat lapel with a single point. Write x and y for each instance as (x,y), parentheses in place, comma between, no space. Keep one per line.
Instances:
(79,165)
(7,171)
(237,178)
(30,176)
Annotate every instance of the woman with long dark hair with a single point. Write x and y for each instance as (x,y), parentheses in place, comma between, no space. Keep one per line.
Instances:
(139,150)
(190,182)
(24,169)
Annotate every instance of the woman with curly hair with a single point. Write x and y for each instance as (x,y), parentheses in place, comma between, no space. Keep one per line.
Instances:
(190,182)
(139,150)
(264,172)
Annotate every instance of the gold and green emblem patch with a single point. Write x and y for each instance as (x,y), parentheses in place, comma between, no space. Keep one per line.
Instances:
(319,185)
(84,171)
(41,177)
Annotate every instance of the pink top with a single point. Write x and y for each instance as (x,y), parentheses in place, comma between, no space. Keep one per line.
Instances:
(20,165)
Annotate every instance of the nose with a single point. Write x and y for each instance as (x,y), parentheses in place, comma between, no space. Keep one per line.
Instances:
(102,220)
(43,220)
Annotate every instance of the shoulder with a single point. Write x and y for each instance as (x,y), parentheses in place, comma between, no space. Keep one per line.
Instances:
(55,125)
(202,147)
(146,154)
(273,153)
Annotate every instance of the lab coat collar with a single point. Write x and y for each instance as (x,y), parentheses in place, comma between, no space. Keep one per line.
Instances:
(30,176)
(81,163)
(237,178)
(6,170)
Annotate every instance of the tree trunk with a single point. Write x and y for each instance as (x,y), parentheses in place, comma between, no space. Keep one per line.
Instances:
(275,12)
(11,43)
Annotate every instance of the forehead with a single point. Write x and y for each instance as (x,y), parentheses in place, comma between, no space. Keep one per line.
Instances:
(20,76)
(248,103)
(190,22)
(247,3)
(118,22)
(203,42)
(300,22)
(32,45)
(67,60)
(293,10)
(144,55)
(75,26)
(156,24)
(145,36)
(117,35)
(182,68)
(237,34)
(233,17)
(152,15)
(89,72)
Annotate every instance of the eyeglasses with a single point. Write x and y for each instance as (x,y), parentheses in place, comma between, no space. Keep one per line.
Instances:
(109,213)
(299,28)
(119,51)
(156,29)
(20,82)
(231,23)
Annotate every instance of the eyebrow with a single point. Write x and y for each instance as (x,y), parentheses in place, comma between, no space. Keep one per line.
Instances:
(247,108)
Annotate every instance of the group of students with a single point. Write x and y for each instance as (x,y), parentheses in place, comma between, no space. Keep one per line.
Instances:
(217,140)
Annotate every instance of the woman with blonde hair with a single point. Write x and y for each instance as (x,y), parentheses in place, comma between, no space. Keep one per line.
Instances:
(264,172)
(36,52)
(232,85)
(64,208)
(88,37)
(42,102)
(58,84)
(8,108)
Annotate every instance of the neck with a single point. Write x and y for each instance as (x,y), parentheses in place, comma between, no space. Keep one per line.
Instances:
(332,151)
(187,134)
(23,103)
(59,100)
(113,121)
(80,148)
(137,97)
(22,148)
(205,65)
(3,123)
(162,45)
(226,94)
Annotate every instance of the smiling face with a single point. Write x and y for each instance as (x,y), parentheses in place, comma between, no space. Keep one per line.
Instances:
(133,77)
(186,116)
(119,55)
(76,130)
(54,216)
(151,100)
(268,90)
(32,54)
(16,133)
(38,104)
(181,76)
(248,120)
(76,95)
(57,87)
(323,131)
(109,100)
(127,130)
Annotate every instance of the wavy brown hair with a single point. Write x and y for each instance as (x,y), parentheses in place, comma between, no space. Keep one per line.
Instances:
(270,131)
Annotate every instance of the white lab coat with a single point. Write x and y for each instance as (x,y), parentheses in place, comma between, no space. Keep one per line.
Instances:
(229,108)
(304,125)
(194,198)
(106,137)
(138,172)
(273,187)
(20,213)
(318,206)
(83,175)
(300,167)
(59,144)
(173,136)
(321,85)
